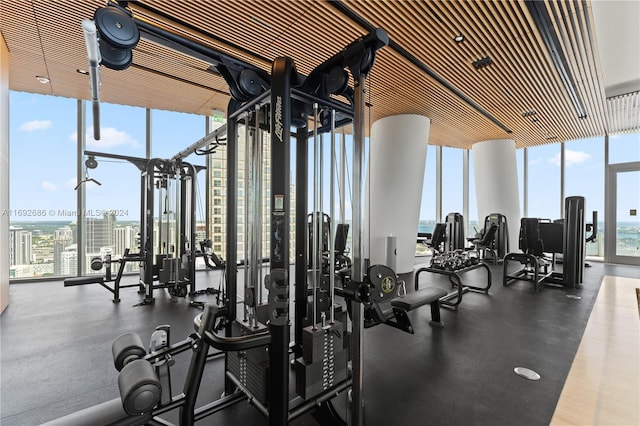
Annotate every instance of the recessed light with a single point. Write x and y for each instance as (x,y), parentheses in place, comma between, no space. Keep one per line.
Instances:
(459,38)
(42,79)
(81,71)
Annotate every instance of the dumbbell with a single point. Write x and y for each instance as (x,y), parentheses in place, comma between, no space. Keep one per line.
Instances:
(140,388)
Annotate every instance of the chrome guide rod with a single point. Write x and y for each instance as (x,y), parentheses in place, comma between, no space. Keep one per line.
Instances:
(332,208)
(316,218)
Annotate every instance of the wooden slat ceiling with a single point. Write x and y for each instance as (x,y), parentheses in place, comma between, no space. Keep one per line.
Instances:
(45,38)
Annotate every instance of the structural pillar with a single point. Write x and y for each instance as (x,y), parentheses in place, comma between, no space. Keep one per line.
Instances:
(397,158)
(496,179)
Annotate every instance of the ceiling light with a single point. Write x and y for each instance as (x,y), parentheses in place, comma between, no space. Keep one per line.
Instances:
(81,71)
(459,38)
(41,79)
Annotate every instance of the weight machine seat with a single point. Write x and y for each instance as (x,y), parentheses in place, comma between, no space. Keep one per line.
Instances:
(484,244)
(429,295)
(108,413)
(97,279)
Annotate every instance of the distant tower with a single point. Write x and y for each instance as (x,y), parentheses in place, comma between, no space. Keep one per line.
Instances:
(20,246)
(62,239)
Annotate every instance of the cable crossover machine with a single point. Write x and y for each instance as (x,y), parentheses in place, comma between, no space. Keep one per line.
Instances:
(324,356)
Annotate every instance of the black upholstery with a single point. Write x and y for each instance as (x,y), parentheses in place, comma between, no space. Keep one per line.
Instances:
(429,295)
(418,298)
(96,279)
(529,239)
(108,413)
(438,237)
(486,242)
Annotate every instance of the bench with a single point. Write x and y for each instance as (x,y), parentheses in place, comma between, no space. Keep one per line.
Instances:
(96,279)
(411,301)
(108,413)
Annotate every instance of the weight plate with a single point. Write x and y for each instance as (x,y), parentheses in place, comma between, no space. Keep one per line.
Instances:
(249,82)
(115,59)
(116,27)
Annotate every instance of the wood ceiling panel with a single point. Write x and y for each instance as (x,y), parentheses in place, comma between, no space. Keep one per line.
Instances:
(45,38)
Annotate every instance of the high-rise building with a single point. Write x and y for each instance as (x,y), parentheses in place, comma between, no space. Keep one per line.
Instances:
(124,237)
(20,246)
(63,238)
(99,232)
(218,201)
(69,260)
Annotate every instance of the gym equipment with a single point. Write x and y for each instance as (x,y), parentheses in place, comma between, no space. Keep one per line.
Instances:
(485,244)
(537,237)
(97,264)
(145,383)
(453,265)
(167,257)
(389,302)
(435,240)
(454,239)
(274,104)
(497,246)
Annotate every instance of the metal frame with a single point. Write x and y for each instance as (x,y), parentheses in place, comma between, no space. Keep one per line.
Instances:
(611,194)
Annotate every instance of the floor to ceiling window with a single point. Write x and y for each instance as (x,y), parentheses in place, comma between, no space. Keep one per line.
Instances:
(452,189)
(584,176)
(42,180)
(428,203)
(544,181)
(112,219)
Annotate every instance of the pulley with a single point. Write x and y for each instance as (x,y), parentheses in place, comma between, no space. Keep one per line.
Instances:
(119,34)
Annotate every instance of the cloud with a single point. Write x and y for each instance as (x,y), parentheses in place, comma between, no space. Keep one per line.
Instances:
(33,125)
(109,137)
(570,158)
(48,186)
(535,161)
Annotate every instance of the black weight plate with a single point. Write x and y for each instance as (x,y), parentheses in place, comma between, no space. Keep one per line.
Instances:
(115,59)
(250,82)
(116,27)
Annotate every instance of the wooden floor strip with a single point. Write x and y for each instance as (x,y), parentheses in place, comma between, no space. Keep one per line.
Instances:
(603,385)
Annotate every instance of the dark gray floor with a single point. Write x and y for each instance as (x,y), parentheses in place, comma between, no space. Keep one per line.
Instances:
(56,356)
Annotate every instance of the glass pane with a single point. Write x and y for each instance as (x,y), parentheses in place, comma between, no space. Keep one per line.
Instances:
(627,210)
(451,181)
(428,203)
(112,214)
(520,166)
(624,148)
(473,202)
(544,181)
(42,180)
(584,176)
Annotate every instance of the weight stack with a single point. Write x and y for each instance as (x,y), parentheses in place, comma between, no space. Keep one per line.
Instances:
(324,359)
(250,367)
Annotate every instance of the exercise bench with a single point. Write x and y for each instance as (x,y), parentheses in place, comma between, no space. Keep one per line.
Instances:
(411,301)
(103,280)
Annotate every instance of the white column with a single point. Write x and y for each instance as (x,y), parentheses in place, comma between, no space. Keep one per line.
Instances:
(4,174)
(397,158)
(496,180)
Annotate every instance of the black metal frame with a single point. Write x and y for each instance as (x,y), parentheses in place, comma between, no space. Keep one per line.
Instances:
(153,172)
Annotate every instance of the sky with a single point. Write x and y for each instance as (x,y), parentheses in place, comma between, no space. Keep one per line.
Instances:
(43,172)
(43,152)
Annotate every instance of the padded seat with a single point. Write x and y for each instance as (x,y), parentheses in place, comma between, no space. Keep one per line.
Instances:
(97,279)
(418,298)
(108,413)
(429,295)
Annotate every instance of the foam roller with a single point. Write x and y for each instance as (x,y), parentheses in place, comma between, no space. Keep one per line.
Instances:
(126,348)
(140,388)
